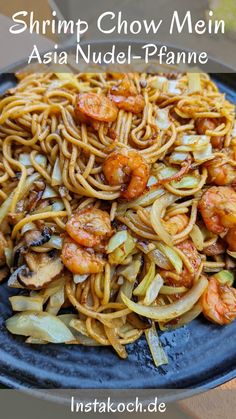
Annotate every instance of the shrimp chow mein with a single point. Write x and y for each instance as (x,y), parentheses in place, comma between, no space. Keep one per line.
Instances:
(118,206)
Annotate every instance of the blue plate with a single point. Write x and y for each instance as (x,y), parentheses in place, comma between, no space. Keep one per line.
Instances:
(201,355)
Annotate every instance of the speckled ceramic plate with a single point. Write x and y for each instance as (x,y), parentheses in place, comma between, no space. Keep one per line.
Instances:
(200,355)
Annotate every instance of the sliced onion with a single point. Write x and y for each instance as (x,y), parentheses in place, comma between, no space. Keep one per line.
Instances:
(24,159)
(4,208)
(144,200)
(117,240)
(194,82)
(70,79)
(232,254)
(173,310)
(197,237)
(158,82)
(28,227)
(162,119)
(127,289)
(49,193)
(56,301)
(22,303)
(168,290)
(156,213)
(172,87)
(58,205)
(153,290)
(78,279)
(172,256)
(56,174)
(158,354)
(8,252)
(233,132)
(143,285)
(184,319)
(152,181)
(39,325)
(159,259)
(178,157)
(187,182)
(55,242)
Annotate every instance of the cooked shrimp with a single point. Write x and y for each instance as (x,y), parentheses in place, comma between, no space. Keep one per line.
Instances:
(125,86)
(128,169)
(219,302)
(94,106)
(203,125)
(134,104)
(125,95)
(231,239)
(80,260)
(176,224)
(89,227)
(190,251)
(221,173)
(218,208)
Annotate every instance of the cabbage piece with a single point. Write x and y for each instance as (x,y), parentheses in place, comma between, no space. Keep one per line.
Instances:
(173,310)
(39,325)
(49,193)
(56,174)
(121,252)
(23,303)
(117,240)
(24,159)
(204,154)
(162,119)
(178,157)
(131,271)
(78,279)
(153,290)
(56,301)
(172,87)
(127,289)
(158,354)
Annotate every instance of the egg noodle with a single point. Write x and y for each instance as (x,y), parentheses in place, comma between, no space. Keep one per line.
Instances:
(118,206)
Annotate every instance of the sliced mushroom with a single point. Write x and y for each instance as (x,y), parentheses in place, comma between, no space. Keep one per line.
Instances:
(13,279)
(32,238)
(41,270)
(4,273)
